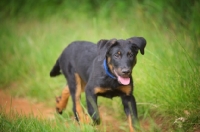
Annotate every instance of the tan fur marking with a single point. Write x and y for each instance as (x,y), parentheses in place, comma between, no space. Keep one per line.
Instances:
(62,102)
(83,84)
(79,88)
(125,89)
(101,90)
(109,64)
(130,124)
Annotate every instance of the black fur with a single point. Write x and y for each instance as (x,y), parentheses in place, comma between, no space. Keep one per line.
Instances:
(86,59)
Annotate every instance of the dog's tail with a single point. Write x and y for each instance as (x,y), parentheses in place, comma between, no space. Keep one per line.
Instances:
(55,70)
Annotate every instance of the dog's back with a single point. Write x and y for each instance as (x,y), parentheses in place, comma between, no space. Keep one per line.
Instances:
(79,55)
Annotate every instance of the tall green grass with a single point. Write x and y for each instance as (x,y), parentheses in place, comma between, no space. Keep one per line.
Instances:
(16,122)
(166,77)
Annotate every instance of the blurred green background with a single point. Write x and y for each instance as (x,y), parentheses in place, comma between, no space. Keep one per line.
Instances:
(167,81)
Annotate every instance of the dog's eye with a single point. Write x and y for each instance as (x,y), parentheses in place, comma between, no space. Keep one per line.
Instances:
(130,54)
(117,55)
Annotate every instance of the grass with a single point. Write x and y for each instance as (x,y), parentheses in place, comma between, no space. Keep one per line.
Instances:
(15,122)
(166,77)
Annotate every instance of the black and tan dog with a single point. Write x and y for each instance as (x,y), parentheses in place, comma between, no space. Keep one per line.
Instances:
(99,70)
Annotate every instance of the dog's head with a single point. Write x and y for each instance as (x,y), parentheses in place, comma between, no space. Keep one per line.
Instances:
(121,56)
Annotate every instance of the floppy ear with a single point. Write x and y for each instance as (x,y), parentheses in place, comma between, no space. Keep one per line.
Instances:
(103,47)
(140,42)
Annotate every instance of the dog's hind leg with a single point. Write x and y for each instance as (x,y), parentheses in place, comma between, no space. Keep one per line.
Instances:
(82,117)
(61,102)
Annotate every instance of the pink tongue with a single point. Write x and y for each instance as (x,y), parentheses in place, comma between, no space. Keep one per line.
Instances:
(124,81)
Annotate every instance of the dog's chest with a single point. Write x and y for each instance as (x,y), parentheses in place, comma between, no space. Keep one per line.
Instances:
(113,92)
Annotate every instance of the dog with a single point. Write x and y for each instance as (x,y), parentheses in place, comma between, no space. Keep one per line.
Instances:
(102,69)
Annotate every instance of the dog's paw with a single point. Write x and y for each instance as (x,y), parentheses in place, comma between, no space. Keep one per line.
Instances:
(58,110)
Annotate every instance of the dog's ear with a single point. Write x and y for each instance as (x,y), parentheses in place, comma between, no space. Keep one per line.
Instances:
(103,47)
(140,42)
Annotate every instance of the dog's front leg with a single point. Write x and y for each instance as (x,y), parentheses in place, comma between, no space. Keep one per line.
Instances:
(91,99)
(130,109)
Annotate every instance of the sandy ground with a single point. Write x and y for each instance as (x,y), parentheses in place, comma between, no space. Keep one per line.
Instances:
(25,107)
(40,110)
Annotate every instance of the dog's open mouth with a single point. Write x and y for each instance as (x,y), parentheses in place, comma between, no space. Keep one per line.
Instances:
(122,80)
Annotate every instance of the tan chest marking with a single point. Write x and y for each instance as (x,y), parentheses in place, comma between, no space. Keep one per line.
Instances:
(125,89)
(101,90)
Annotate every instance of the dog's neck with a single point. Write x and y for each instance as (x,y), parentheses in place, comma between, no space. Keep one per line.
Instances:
(107,70)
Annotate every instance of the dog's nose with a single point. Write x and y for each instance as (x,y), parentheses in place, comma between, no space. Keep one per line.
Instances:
(126,71)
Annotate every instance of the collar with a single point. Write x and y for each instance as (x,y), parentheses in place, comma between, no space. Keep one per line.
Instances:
(107,70)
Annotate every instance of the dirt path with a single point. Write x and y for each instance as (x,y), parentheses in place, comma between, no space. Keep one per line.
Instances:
(25,107)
